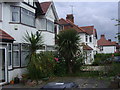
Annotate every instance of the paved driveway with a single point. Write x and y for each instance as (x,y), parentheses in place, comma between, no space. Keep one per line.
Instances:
(81,82)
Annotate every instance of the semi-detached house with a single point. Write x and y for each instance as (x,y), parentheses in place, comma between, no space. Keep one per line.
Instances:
(88,37)
(15,19)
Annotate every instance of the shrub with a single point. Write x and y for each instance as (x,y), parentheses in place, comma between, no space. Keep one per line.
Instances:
(41,65)
(115,69)
(101,59)
(60,68)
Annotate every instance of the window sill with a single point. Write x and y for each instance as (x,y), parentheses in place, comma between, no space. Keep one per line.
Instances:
(46,31)
(21,23)
(16,68)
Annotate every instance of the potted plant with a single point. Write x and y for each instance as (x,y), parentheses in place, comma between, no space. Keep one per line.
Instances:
(16,80)
(12,82)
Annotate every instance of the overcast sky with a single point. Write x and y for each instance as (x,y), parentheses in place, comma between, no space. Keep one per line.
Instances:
(98,14)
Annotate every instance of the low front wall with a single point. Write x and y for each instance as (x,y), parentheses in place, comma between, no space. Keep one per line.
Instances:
(16,72)
(95,68)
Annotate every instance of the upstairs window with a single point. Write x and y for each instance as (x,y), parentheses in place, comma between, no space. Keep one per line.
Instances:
(15,14)
(42,24)
(27,17)
(50,26)
(24,16)
(46,25)
(0,11)
(90,39)
(86,39)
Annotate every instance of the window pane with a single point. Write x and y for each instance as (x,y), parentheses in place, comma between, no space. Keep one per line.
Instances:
(25,46)
(9,58)
(50,48)
(27,17)
(16,59)
(9,47)
(24,58)
(50,26)
(0,11)
(15,14)
(43,25)
(15,47)
(90,39)
(86,38)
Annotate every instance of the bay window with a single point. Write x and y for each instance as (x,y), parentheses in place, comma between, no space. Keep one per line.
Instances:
(43,25)
(27,17)
(50,26)
(23,16)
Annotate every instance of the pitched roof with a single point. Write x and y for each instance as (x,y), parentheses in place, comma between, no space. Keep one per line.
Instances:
(88,29)
(5,37)
(45,6)
(86,47)
(68,22)
(103,42)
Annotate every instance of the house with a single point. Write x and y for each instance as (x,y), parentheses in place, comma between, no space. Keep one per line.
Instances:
(47,24)
(88,36)
(107,46)
(15,19)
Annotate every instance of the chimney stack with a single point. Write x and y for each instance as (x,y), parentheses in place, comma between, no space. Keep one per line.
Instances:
(109,40)
(103,35)
(70,17)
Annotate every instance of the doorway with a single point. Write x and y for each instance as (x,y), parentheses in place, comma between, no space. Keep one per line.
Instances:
(3,67)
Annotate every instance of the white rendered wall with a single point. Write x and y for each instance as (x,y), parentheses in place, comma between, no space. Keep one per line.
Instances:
(48,38)
(109,49)
(82,37)
(10,28)
(16,72)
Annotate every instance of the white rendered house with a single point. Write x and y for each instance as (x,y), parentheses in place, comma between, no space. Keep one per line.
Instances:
(88,36)
(47,24)
(15,19)
(107,46)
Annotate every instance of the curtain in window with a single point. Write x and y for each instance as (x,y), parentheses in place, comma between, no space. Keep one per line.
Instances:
(15,14)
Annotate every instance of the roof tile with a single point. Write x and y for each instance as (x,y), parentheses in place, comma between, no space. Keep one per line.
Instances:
(5,36)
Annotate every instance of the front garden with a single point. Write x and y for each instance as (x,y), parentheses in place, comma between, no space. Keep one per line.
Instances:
(66,61)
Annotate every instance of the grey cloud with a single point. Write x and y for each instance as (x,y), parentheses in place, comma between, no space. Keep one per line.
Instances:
(98,14)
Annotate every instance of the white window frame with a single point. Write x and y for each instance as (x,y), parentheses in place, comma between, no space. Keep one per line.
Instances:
(10,51)
(23,50)
(52,25)
(18,14)
(17,50)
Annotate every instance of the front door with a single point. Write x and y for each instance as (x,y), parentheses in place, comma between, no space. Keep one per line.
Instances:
(2,66)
